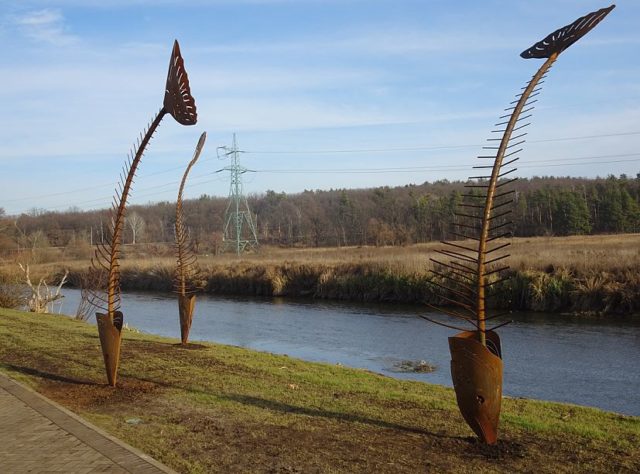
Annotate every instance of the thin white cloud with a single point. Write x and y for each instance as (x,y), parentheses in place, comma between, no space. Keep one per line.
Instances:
(401,42)
(45,26)
(361,84)
(374,42)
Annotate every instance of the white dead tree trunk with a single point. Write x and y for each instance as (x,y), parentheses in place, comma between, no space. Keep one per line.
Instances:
(136,224)
(42,296)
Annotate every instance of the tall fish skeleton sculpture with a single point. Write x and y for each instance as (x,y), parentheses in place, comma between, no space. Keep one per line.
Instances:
(186,258)
(179,103)
(476,357)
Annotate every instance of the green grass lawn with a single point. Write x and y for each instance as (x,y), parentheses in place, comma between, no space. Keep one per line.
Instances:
(214,408)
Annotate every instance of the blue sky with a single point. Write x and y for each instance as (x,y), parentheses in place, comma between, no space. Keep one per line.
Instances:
(308,86)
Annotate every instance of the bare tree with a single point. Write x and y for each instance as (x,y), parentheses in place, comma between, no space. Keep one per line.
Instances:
(136,224)
(32,240)
(42,297)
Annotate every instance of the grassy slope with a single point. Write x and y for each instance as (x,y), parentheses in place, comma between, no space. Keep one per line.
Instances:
(215,408)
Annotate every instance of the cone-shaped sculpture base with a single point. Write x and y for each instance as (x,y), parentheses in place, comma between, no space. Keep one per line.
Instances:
(110,336)
(186,304)
(477,379)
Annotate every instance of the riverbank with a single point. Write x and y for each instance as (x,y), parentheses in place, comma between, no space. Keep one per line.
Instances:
(213,408)
(597,275)
(557,290)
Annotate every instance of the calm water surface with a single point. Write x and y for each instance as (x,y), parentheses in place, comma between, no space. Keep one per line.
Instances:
(587,362)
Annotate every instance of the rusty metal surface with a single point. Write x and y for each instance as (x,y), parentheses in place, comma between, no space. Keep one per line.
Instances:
(106,261)
(177,95)
(477,379)
(564,37)
(110,332)
(186,305)
(473,265)
(186,271)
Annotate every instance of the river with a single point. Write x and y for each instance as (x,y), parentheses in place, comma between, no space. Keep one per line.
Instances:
(584,361)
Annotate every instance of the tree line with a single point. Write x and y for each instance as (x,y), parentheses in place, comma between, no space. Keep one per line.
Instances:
(342,217)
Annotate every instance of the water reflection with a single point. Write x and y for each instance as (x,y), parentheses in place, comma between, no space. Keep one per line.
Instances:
(576,360)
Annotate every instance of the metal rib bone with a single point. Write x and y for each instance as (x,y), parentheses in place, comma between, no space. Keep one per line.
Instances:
(494,219)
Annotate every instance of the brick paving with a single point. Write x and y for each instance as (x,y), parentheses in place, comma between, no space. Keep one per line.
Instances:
(37,435)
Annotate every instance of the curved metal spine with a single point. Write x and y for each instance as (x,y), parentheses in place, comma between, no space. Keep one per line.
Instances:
(185,256)
(476,355)
(179,103)
(489,206)
(118,226)
(107,257)
(467,271)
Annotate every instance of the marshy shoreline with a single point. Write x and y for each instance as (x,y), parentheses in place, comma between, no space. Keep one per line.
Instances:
(583,275)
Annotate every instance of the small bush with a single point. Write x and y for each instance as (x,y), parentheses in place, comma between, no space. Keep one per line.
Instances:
(11,296)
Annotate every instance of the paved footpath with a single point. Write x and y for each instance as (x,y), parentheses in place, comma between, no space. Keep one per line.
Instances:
(38,435)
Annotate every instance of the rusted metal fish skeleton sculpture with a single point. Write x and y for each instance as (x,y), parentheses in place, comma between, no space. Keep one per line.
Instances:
(179,103)
(476,355)
(186,272)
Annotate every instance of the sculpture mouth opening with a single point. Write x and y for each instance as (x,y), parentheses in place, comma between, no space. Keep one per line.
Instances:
(493,348)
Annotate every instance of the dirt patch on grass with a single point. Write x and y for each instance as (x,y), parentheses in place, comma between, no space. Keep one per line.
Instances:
(165,349)
(328,444)
(77,393)
(219,438)
(96,396)
(190,346)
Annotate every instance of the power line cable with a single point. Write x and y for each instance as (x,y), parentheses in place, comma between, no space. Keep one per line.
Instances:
(372,150)
(91,188)
(426,147)
(462,167)
(547,163)
(106,199)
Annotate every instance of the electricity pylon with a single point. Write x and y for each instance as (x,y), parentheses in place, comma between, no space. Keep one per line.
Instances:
(239,228)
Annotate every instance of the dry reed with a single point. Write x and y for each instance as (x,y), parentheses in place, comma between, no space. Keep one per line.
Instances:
(585,274)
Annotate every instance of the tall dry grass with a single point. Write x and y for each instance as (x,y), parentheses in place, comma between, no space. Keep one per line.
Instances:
(586,274)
